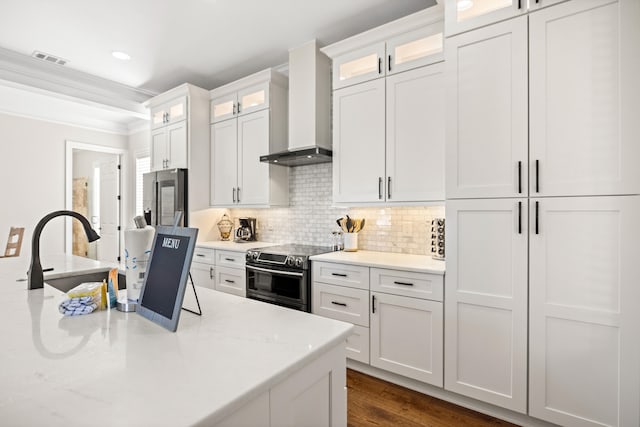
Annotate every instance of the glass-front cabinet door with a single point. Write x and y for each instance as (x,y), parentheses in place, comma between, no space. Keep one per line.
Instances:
(464,15)
(253,98)
(359,66)
(177,109)
(415,49)
(223,107)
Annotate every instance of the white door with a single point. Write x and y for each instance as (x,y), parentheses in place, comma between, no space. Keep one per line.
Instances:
(415,49)
(359,66)
(203,275)
(415,135)
(253,98)
(581,141)
(585,311)
(406,336)
(159,149)
(359,142)
(253,175)
(487,111)
(108,246)
(177,109)
(177,142)
(464,15)
(486,301)
(224,163)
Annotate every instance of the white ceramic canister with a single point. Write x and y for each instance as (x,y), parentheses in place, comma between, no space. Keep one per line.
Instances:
(350,242)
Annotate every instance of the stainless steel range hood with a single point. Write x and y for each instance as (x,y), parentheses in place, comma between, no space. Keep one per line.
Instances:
(309,109)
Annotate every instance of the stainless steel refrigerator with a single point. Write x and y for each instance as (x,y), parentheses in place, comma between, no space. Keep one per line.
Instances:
(164,194)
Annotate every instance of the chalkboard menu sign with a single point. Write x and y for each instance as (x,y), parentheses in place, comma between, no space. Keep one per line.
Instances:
(167,273)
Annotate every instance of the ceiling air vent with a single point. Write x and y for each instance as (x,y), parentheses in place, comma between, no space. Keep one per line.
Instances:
(49,58)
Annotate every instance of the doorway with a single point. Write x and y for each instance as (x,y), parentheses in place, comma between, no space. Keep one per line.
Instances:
(94,183)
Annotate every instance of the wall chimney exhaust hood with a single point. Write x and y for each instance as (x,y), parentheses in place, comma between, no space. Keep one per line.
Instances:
(309,109)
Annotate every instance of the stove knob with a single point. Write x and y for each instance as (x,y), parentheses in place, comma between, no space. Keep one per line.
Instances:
(255,256)
(290,261)
(248,256)
(299,262)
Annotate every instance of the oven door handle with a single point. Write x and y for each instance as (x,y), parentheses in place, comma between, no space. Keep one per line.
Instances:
(267,270)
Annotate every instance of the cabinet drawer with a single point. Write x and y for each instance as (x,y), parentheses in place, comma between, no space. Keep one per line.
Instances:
(358,344)
(230,259)
(352,276)
(416,285)
(231,281)
(341,303)
(203,255)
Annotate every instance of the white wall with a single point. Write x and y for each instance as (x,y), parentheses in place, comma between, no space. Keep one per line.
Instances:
(32,175)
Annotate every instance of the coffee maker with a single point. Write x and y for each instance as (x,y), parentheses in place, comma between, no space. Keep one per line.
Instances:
(246,231)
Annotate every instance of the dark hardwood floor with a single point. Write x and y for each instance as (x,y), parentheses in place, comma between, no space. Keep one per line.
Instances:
(374,402)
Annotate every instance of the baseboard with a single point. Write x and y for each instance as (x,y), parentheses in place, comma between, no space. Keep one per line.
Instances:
(457,399)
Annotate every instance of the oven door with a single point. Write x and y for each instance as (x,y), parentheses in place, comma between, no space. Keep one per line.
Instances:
(278,286)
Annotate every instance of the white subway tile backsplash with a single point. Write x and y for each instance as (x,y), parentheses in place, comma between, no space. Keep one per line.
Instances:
(310,217)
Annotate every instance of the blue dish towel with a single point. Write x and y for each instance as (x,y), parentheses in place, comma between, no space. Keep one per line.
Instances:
(77,306)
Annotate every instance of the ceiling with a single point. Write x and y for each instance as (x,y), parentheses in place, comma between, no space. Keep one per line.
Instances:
(204,42)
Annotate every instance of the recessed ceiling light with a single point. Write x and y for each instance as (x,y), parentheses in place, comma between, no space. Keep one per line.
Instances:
(464,5)
(120,55)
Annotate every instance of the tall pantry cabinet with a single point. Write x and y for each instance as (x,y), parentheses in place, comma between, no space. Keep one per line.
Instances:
(542,208)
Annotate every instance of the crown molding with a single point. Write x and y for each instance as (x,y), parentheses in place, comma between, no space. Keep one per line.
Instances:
(58,79)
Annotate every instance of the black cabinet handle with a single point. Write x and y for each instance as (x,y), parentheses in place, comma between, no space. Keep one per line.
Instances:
(230,259)
(202,255)
(519,4)
(238,108)
(339,274)
(373,303)
(519,217)
(229,281)
(403,283)
(379,65)
(537,176)
(238,194)
(234,194)
(537,209)
(210,272)
(380,188)
(339,303)
(389,62)
(388,187)
(234,109)
(519,176)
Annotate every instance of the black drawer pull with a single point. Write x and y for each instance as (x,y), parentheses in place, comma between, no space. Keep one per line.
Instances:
(403,283)
(373,304)
(230,259)
(341,304)
(379,65)
(519,177)
(519,217)
(229,281)
(202,255)
(537,213)
(339,274)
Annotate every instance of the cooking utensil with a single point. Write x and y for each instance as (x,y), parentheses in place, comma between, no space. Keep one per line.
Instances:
(349,225)
(361,225)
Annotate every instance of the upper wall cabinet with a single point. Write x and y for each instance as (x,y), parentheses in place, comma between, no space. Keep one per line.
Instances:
(180,137)
(386,130)
(465,15)
(404,52)
(249,119)
(244,101)
(169,112)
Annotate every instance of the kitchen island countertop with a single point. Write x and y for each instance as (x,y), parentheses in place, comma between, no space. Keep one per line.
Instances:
(120,369)
(406,262)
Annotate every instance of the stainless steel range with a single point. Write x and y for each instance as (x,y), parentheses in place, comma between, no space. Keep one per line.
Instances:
(282,274)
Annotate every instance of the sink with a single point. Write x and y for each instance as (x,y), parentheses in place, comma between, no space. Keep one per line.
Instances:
(65,284)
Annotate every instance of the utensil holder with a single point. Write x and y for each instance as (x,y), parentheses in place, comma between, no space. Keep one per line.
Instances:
(350,242)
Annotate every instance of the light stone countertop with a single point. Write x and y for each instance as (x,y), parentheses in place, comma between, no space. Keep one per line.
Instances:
(110,368)
(406,262)
(230,245)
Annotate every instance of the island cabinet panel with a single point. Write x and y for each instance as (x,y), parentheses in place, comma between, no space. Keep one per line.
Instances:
(315,396)
(254,414)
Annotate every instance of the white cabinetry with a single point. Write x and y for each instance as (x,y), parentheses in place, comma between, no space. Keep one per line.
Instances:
(180,138)
(465,15)
(230,272)
(203,268)
(249,119)
(486,301)
(388,132)
(407,332)
(583,301)
(398,316)
(487,111)
(585,311)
